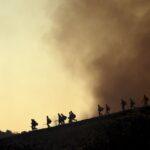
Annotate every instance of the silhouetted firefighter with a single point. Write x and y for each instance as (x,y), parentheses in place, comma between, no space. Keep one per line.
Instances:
(146,99)
(72,117)
(100,109)
(59,119)
(33,124)
(123,104)
(107,109)
(63,118)
(132,104)
(48,121)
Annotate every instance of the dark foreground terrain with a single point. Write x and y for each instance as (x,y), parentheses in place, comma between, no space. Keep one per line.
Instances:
(124,131)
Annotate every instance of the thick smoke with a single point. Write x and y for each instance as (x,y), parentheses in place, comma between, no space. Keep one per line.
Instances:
(107,43)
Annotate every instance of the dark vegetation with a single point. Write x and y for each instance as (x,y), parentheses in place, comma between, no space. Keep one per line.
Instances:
(6,134)
(124,131)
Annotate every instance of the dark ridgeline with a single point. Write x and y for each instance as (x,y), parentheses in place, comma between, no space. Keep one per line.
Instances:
(125,130)
(72,117)
(6,134)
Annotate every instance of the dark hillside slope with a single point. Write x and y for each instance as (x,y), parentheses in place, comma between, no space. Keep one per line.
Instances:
(123,130)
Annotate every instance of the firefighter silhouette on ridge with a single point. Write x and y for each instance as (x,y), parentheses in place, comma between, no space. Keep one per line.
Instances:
(146,100)
(107,109)
(123,104)
(72,117)
(48,121)
(132,104)
(100,109)
(63,118)
(33,124)
(59,119)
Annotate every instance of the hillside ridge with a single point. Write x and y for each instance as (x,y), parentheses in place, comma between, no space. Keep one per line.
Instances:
(129,128)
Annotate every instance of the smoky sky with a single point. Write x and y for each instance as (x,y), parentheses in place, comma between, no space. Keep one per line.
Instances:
(107,44)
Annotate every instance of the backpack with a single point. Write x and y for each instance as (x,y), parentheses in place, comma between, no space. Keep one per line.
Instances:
(49,120)
(64,117)
(36,124)
(73,116)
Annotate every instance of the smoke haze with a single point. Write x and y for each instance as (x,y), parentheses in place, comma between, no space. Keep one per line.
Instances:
(106,43)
